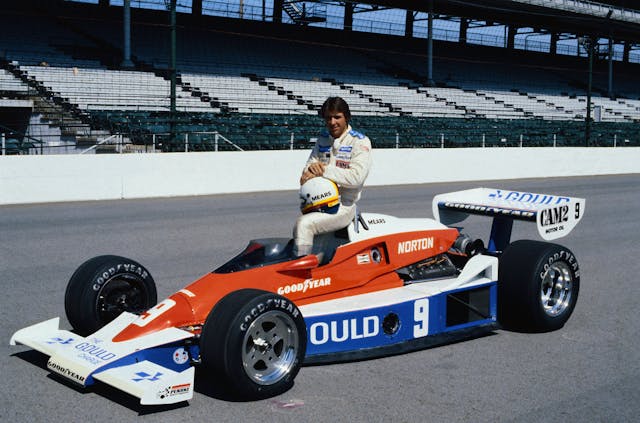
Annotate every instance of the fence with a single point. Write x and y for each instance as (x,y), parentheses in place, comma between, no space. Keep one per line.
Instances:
(214,141)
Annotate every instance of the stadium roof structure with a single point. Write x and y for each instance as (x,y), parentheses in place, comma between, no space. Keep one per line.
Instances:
(618,19)
(599,19)
(612,19)
(564,21)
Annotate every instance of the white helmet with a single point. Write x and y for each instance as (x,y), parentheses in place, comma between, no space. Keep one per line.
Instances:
(319,195)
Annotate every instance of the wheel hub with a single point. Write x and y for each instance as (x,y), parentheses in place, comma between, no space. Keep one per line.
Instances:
(120,294)
(261,345)
(556,289)
(270,348)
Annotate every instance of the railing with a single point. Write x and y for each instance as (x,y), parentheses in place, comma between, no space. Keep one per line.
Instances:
(163,141)
(122,143)
(512,140)
(244,11)
(118,142)
(217,137)
(13,142)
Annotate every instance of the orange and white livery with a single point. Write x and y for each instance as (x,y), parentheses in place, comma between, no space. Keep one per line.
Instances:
(381,285)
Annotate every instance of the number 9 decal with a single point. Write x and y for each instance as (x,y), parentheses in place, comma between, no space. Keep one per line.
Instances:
(421,318)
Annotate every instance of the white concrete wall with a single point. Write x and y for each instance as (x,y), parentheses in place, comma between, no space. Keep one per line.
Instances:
(52,178)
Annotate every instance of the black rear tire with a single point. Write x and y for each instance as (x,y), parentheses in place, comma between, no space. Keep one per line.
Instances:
(105,286)
(253,343)
(538,285)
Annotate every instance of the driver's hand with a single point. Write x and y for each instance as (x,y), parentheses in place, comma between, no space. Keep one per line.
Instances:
(317,169)
(306,176)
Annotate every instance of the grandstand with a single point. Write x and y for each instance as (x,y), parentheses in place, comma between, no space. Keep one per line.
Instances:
(248,83)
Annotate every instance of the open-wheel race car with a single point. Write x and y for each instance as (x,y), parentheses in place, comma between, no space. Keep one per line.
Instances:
(380,286)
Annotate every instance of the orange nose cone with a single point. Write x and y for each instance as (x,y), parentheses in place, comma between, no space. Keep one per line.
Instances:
(175,311)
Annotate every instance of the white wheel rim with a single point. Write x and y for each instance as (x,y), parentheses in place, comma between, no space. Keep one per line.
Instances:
(556,289)
(270,347)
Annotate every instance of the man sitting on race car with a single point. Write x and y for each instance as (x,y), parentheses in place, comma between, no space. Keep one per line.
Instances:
(342,156)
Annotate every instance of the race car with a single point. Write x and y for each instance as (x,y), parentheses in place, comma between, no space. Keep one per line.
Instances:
(382,285)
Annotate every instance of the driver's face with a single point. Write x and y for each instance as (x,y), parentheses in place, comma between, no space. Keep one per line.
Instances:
(336,123)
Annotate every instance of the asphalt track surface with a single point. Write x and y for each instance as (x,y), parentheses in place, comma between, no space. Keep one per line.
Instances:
(589,371)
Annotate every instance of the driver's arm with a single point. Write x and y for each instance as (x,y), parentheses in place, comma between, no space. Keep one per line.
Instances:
(358,170)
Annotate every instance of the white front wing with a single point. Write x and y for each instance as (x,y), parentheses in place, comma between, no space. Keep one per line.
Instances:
(81,359)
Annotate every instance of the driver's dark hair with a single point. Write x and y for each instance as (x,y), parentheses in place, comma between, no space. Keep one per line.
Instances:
(335,104)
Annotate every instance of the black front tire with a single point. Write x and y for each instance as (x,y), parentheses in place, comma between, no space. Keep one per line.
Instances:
(105,286)
(538,285)
(253,343)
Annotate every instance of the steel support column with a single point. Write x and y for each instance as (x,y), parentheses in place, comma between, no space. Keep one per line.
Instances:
(172,72)
(430,46)
(126,26)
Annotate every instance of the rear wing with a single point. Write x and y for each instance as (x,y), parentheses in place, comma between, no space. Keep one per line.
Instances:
(555,216)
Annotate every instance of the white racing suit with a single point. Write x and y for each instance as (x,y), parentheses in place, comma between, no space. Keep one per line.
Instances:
(347,162)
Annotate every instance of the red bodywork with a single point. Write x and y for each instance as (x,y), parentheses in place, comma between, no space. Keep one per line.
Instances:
(344,276)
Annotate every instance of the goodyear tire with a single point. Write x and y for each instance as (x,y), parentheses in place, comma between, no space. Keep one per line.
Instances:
(105,286)
(253,342)
(538,285)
